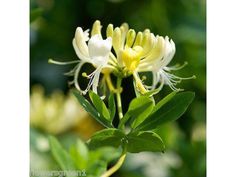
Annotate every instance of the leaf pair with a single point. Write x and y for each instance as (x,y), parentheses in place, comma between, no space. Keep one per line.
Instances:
(168,109)
(99,111)
(144,115)
(133,142)
(138,110)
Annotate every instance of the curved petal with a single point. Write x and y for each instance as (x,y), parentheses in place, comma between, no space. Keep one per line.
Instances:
(147,43)
(169,51)
(155,79)
(79,54)
(86,35)
(164,59)
(79,44)
(157,51)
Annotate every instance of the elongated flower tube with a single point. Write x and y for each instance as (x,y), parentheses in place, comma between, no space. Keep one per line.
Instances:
(94,50)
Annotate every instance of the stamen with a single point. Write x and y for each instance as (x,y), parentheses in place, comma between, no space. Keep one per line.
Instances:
(84,74)
(71,72)
(62,63)
(144,78)
(176,67)
(180,78)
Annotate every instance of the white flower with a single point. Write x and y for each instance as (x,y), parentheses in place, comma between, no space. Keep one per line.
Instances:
(158,66)
(134,53)
(92,50)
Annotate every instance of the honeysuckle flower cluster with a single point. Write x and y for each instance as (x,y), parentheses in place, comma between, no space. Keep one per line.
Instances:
(133,54)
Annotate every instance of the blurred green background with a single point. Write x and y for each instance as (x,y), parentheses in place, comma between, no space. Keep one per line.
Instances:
(52,28)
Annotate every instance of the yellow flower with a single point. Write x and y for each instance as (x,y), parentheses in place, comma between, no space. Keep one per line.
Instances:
(145,52)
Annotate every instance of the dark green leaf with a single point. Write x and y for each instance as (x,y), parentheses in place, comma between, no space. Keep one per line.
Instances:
(112,106)
(144,141)
(164,101)
(138,110)
(99,105)
(91,110)
(168,110)
(107,137)
(61,156)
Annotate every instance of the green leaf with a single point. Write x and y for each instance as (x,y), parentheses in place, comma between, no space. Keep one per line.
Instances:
(61,156)
(99,105)
(144,141)
(138,110)
(168,110)
(35,13)
(112,106)
(107,137)
(80,154)
(91,110)
(164,101)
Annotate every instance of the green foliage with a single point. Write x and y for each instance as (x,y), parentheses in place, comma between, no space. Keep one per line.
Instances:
(184,22)
(143,115)
(163,101)
(139,109)
(99,105)
(167,111)
(93,162)
(79,151)
(62,157)
(107,137)
(92,111)
(112,106)
(132,142)
(144,141)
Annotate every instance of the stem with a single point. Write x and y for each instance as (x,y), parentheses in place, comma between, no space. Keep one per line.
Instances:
(118,98)
(109,83)
(115,167)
